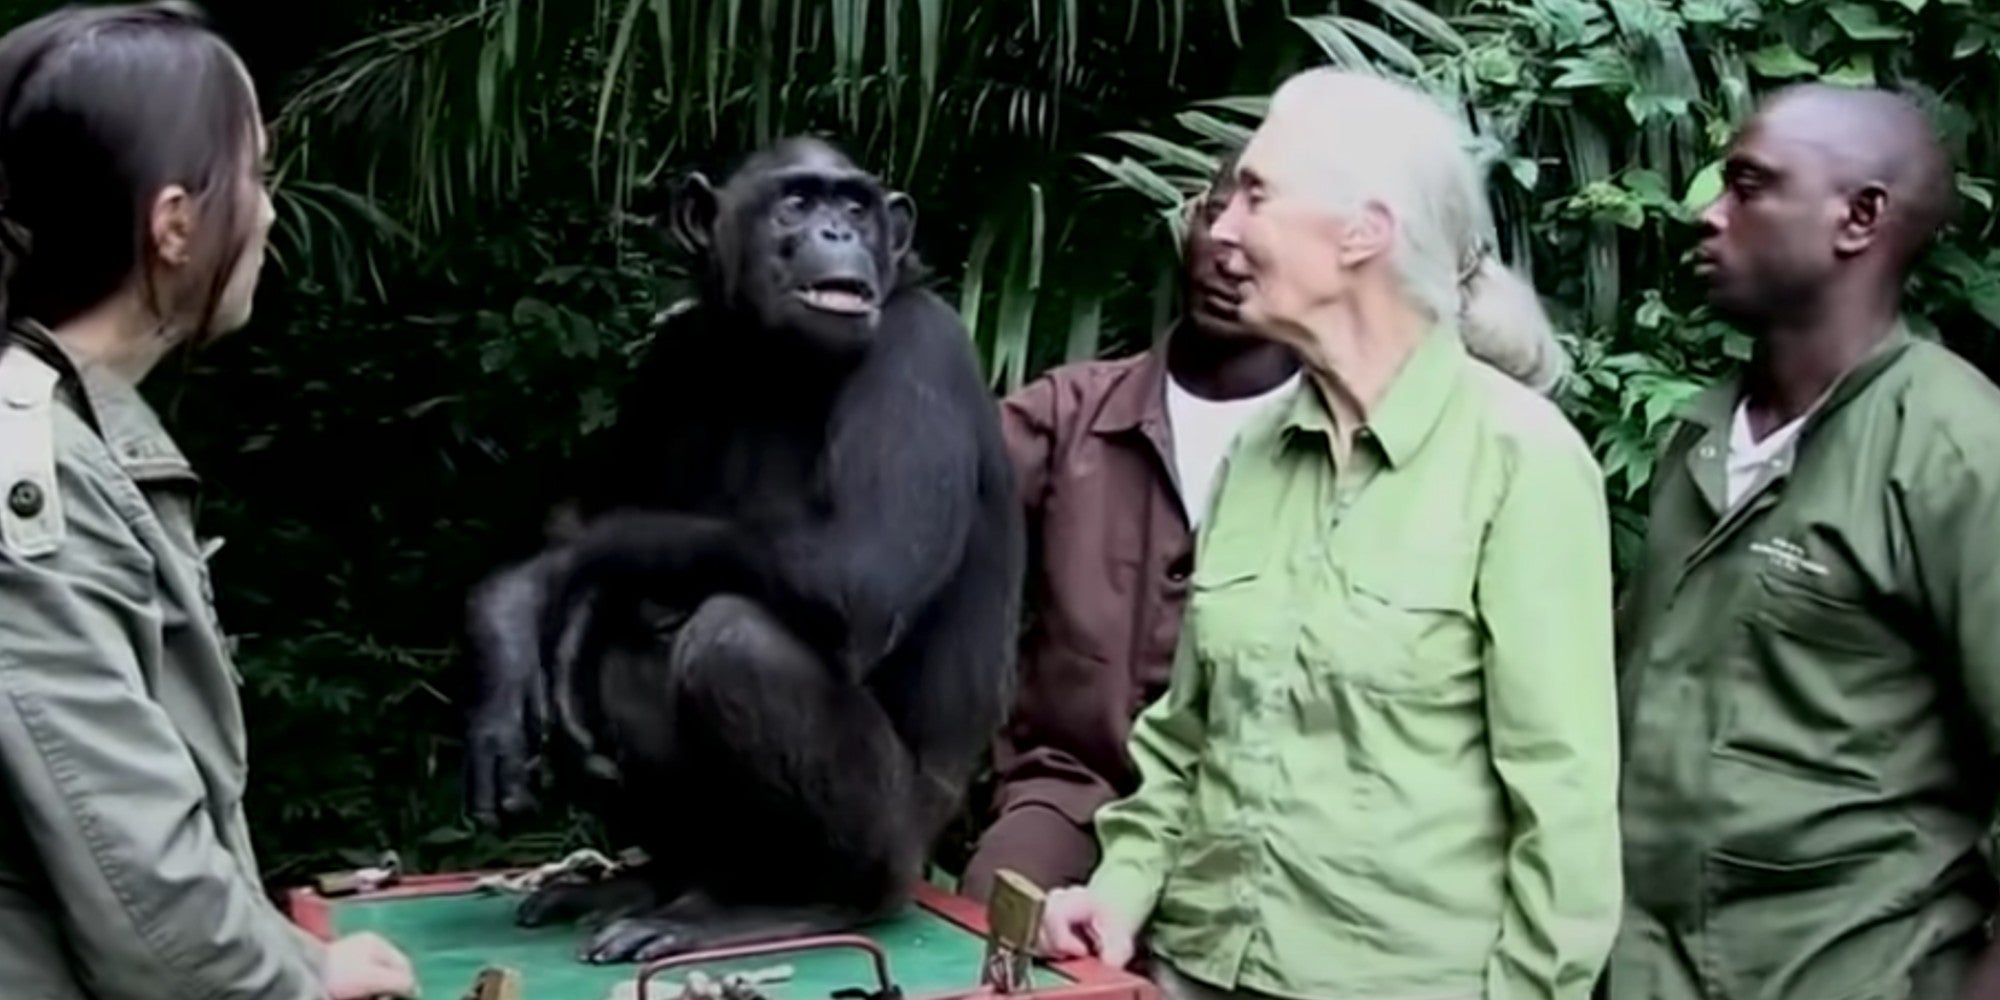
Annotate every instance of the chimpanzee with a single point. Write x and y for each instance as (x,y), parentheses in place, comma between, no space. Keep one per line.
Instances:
(777,644)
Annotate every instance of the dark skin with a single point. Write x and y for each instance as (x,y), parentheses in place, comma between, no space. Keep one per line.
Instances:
(1213,355)
(1830,194)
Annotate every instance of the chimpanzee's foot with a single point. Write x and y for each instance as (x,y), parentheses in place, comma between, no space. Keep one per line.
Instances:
(564,902)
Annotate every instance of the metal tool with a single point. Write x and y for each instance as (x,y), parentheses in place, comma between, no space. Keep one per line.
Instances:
(886,989)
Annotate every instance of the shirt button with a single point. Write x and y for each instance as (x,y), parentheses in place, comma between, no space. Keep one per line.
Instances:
(25,499)
(1179,567)
(1708,451)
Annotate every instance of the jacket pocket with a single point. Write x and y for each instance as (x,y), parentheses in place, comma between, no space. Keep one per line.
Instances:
(1825,688)
(1767,932)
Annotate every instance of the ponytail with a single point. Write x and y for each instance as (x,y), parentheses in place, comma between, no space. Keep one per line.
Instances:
(1503,324)
(13,249)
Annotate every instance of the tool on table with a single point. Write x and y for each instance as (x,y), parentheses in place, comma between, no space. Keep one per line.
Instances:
(1013,921)
(701,986)
(698,986)
(495,983)
(385,872)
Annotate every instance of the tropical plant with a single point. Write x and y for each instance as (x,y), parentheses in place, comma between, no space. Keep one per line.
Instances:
(1603,124)
(469,265)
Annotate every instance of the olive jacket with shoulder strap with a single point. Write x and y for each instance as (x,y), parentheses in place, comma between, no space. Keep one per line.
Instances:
(126,871)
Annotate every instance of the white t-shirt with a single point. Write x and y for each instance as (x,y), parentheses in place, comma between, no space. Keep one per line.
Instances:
(1203,430)
(1749,460)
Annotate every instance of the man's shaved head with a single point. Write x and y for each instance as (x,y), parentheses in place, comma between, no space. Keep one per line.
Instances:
(1874,137)
(1825,186)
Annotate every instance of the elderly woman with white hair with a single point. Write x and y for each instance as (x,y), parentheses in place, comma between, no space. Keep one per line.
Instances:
(1385,767)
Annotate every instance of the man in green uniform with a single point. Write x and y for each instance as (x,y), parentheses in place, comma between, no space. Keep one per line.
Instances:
(1810,665)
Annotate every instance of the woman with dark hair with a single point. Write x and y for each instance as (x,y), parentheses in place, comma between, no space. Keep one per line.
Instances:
(133,215)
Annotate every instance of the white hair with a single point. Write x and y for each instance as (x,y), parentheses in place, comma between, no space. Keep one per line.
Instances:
(1353,138)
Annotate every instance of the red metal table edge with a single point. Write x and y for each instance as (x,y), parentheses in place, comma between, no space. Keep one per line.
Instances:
(1089,978)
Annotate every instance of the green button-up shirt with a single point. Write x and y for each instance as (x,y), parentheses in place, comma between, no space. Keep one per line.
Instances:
(1810,684)
(1385,766)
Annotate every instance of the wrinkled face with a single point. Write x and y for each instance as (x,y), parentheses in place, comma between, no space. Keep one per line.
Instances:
(1289,254)
(1214,289)
(819,248)
(1769,239)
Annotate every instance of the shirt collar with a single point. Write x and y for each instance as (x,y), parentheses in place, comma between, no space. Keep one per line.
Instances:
(1714,409)
(131,428)
(1409,410)
(1140,398)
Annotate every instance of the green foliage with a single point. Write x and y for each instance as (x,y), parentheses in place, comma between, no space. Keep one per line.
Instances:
(463,281)
(1603,123)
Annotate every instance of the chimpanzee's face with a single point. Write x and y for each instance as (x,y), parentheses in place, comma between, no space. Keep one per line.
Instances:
(814,244)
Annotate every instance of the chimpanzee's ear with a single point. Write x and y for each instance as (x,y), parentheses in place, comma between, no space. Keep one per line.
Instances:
(902,212)
(692,220)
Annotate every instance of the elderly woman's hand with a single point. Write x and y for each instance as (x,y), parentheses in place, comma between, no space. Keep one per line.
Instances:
(1076,925)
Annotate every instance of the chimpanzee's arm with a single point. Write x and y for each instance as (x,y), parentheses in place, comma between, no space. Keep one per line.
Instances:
(852,576)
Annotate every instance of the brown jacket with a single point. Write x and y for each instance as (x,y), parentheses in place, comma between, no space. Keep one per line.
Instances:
(1109,557)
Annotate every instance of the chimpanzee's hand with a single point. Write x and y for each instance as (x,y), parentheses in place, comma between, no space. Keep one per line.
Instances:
(509,713)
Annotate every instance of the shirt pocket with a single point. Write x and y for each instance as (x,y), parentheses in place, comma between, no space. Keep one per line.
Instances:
(1401,621)
(1827,687)
(1232,611)
(1827,612)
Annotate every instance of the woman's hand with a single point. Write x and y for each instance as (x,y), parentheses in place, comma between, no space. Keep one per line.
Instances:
(1076,925)
(364,967)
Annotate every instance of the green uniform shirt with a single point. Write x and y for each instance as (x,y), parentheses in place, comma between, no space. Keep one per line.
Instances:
(1810,689)
(126,871)
(1385,766)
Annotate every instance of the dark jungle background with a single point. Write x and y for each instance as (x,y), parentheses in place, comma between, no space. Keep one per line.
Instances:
(461,283)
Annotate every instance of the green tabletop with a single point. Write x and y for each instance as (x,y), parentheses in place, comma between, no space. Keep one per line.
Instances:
(451,937)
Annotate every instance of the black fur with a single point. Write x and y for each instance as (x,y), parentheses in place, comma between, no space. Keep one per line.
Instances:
(779,642)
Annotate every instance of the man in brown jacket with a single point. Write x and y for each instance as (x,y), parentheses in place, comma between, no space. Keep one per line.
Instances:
(1113,459)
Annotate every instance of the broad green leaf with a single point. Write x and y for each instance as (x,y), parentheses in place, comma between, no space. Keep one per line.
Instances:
(1526,171)
(1651,312)
(1418,18)
(1704,188)
(1781,61)
(1498,65)
(1384,44)
(1976,191)
(1858,71)
(1666,398)
(1086,327)
(1333,40)
(613,66)
(1598,69)
(1647,184)
(1137,177)
(1863,23)
(1170,152)
(1916,6)
(1214,129)
(1704,12)
(1970,43)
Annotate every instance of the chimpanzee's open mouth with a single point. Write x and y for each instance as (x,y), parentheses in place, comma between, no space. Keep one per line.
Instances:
(848,296)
